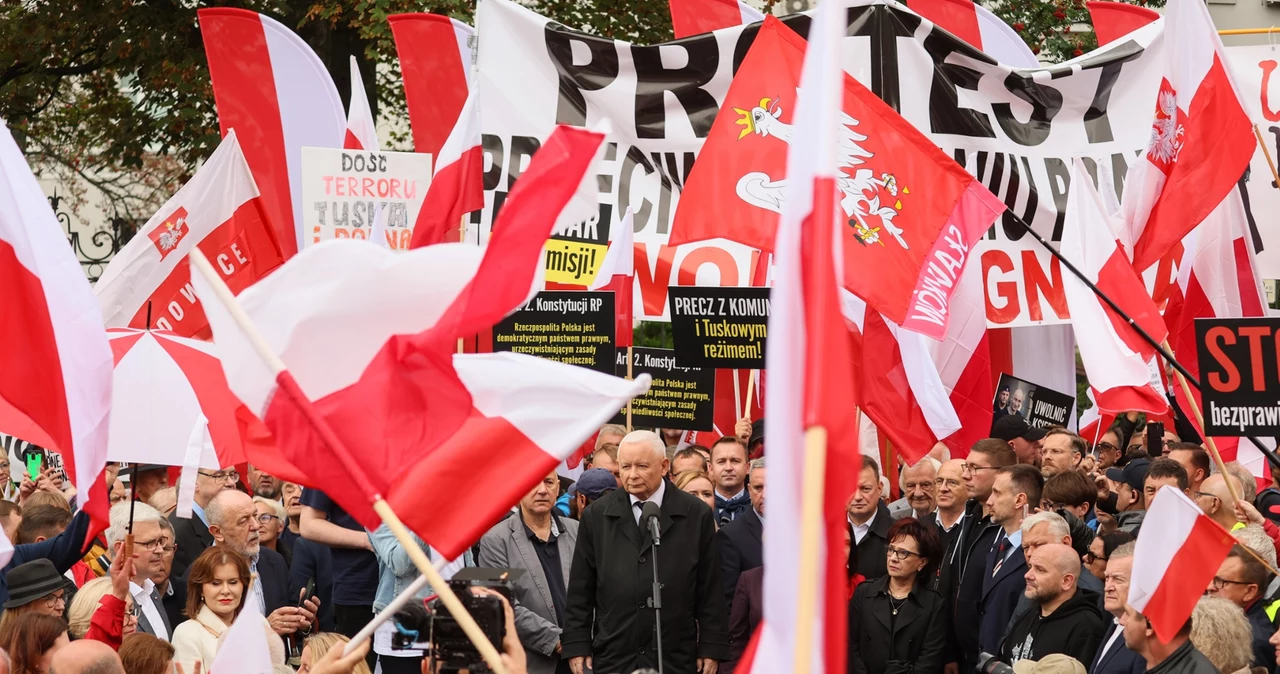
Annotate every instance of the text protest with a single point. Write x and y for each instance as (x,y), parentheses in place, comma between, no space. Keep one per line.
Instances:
(1041,407)
(565,326)
(679,397)
(1240,374)
(719,327)
(343,192)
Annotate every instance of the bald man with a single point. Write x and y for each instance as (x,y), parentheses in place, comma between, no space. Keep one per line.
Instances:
(84,657)
(1215,499)
(1068,620)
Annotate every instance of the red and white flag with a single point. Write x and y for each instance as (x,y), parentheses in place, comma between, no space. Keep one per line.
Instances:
(963,360)
(56,388)
(808,360)
(220,211)
(416,412)
(457,187)
(913,214)
(981,28)
(694,17)
(362,130)
(276,93)
(1201,139)
(1179,551)
(436,54)
(1121,365)
(244,648)
(617,274)
(1114,20)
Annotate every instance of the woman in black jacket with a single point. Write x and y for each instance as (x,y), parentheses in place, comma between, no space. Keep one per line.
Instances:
(896,624)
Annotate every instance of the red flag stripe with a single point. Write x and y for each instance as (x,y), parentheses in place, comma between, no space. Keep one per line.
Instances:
(1190,571)
(435,76)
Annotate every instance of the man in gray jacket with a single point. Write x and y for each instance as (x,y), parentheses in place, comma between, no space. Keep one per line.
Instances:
(540,542)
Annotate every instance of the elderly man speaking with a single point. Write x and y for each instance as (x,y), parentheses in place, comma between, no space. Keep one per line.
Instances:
(610,621)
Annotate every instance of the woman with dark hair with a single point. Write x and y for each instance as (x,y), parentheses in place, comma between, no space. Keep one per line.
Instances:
(216,585)
(145,654)
(897,624)
(1100,551)
(31,639)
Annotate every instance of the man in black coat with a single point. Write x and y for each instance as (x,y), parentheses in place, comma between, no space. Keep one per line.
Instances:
(609,619)
(740,541)
(192,533)
(1015,489)
(871,520)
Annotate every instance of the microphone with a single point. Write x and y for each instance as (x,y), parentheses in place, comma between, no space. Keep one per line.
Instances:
(649,514)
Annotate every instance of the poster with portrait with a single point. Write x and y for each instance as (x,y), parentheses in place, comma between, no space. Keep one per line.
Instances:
(1041,407)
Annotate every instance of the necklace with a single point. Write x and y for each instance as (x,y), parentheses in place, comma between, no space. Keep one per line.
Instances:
(895,606)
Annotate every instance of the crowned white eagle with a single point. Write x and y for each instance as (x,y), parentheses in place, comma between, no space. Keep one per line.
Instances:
(862,192)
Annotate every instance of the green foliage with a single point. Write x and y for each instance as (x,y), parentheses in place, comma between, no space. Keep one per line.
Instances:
(654,335)
(1047,25)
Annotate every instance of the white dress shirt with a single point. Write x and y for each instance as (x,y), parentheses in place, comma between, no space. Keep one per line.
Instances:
(142,599)
(860,531)
(656,498)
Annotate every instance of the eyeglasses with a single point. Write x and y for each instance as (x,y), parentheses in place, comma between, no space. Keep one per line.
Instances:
(899,554)
(232,475)
(155,545)
(266,519)
(56,598)
(1105,447)
(950,482)
(973,468)
(1206,495)
(1090,558)
(1219,582)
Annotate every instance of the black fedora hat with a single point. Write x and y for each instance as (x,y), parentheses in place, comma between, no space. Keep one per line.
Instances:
(33,580)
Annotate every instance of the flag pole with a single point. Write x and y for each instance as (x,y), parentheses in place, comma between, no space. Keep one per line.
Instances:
(746,406)
(1266,153)
(1208,441)
(1146,337)
(737,394)
(290,387)
(629,376)
(813,489)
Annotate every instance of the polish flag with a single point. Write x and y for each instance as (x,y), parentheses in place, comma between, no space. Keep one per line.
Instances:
(1179,550)
(978,26)
(963,361)
(418,414)
(276,93)
(1217,279)
(617,274)
(457,188)
(1201,139)
(220,211)
(808,360)
(244,648)
(897,381)
(1121,365)
(1114,20)
(694,17)
(436,55)
(362,131)
(57,365)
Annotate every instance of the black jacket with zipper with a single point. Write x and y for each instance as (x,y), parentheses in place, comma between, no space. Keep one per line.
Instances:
(1075,628)
(960,583)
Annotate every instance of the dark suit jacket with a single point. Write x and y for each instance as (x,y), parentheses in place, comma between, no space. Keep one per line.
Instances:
(1118,659)
(193,538)
(961,582)
(176,603)
(64,550)
(274,576)
(744,614)
(872,547)
(1000,595)
(740,549)
(608,615)
(918,636)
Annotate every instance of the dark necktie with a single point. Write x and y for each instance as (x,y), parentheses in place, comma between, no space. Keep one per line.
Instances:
(640,506)
(1004,545)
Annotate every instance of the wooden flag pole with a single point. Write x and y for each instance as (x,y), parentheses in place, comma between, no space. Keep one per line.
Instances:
(289,387)
(1271,163)
(737,393)
(811,520)
(746,407)
(629,376)
(1208,441)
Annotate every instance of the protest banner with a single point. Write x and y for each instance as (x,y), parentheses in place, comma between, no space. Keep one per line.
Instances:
(678,397)
(1240,375)
(342,191)
(565,326)
(719,327)
(1040,406)
(576,249)
(1018,131)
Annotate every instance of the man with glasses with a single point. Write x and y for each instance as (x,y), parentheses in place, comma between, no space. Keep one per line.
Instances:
(952,494)
(192,533)
(1215,500)
(1242,579)
(173,591)
(149,541)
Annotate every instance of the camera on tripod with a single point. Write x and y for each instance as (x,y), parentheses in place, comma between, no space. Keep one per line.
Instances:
(446,643)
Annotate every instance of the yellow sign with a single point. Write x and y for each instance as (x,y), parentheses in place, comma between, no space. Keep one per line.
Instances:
(573,262)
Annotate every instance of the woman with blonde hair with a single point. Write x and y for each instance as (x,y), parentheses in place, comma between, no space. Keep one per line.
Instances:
(699,484)
(318,645)
(1220,630)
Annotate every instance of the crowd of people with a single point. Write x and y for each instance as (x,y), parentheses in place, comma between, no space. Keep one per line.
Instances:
(1021,553)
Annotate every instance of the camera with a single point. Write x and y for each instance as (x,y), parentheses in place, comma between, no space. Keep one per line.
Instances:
(448,644)
(988,664)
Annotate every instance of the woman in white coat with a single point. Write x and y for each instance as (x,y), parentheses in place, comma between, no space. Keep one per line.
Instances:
(216,587)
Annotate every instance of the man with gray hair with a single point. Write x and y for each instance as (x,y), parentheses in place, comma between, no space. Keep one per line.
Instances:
(611,616)
(1114,657)
(740,540)
(149,540)
(919,490)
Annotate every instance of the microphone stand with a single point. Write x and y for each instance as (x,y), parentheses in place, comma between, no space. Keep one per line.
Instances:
(656,600)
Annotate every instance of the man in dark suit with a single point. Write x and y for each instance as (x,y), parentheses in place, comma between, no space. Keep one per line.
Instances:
(233,522)
(1114,657)
(193,532)
(740,541)
(149,540)
(1016,488)
(871,520)
(609,618)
